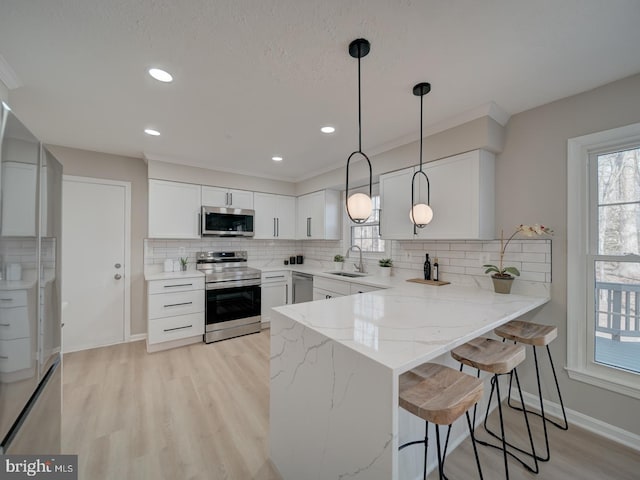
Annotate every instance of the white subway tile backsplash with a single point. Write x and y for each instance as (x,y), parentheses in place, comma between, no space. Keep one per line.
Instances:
(460,261)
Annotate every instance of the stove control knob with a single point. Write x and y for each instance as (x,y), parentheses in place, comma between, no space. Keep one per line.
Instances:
(117,276)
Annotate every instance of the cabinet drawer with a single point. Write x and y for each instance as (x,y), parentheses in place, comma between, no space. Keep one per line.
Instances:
(322,294)
(172,304)
(174,328)
(175,285)
(15,355)
(357,288)
(13,298)
(275,277)
(14,323)
(333,285)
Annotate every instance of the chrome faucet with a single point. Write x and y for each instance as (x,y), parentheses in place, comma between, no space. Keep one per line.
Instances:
(359,266)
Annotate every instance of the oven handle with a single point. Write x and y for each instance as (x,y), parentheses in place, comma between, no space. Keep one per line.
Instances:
(232,284)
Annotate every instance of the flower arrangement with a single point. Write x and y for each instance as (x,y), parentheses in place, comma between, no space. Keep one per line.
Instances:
(385,262)
(338,258)
(500,271)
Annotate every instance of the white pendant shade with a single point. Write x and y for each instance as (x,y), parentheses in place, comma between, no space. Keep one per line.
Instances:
(421,214)
(359,207)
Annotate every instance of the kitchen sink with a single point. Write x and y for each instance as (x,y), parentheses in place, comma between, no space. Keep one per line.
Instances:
(348,274)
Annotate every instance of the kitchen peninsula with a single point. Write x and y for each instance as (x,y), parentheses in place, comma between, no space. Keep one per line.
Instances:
(335,366)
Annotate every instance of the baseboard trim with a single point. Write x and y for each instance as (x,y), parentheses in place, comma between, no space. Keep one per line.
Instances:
(137,337)
(593,425)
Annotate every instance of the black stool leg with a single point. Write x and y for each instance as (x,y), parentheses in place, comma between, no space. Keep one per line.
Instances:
(555,378)
(440,460)
(426,448)
(473,442)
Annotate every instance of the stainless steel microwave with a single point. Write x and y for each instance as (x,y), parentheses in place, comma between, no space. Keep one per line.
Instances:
(227,222)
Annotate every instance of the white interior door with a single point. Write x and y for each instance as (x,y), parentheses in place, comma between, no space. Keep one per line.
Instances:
(95,244)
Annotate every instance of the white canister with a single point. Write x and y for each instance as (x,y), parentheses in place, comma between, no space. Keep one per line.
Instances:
(168,265)
(176,266)
(14,272)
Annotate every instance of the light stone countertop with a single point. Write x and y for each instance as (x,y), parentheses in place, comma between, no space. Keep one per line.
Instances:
(409,324)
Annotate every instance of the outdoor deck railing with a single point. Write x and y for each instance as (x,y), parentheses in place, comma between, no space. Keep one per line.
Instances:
(617,309)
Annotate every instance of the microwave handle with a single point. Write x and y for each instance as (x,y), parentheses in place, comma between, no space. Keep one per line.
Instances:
(200,226)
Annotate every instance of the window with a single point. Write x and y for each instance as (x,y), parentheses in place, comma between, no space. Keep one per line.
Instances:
(367,235)
(603,240)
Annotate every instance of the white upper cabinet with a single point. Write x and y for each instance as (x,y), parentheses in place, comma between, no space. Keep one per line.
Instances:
(275,216)
(318,216)
(19,182)
(461,196)
(174,209)
(225,197)
(395,203)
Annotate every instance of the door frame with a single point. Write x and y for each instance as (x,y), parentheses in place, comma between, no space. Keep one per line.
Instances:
(127,241)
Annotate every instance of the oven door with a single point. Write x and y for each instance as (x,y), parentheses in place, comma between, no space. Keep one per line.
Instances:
(231,306)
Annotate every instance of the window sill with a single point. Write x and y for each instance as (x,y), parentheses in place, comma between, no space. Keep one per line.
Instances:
(610,381)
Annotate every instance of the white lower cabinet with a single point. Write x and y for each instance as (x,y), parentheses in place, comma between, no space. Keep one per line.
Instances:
(324,288)
(175,312)
(17,345)
(275,292)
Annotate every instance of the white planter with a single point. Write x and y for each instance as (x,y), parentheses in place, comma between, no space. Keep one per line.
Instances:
(385,271)
(338,265)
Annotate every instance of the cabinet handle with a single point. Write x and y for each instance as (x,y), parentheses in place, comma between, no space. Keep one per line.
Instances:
(179,285)
(278,227)
(274,226)
(6,299)
(5,324)
(276,276)
(4,357)
(226,198)
(308,226)
(230,198)
(380,223)
(177,328)
(177,304)
(286,294)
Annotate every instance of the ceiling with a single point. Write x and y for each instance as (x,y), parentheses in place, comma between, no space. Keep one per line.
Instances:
(257,78)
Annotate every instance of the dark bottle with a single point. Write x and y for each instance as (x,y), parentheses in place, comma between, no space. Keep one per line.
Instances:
(427,268)
(435,269)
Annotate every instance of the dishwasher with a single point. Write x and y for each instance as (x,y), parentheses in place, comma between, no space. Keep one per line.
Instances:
(302,287)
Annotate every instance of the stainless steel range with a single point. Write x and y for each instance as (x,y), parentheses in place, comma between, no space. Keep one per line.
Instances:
(232,296)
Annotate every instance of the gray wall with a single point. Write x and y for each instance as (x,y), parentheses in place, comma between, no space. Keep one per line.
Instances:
(113,167)
(531,175)
(481,133)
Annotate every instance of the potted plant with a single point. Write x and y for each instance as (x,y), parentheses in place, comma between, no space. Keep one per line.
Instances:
(503,276)
(338,262)
(183,263)
(385,266)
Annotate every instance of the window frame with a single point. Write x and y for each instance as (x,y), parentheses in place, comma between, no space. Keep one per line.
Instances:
(581,225)
(347,224)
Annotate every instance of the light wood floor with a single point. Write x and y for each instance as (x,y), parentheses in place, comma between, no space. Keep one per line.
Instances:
(202,412)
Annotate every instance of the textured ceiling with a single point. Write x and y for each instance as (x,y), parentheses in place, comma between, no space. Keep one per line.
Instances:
(255,78)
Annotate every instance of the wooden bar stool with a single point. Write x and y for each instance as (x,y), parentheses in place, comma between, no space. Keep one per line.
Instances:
(439,395)
(497,358)
(536,335)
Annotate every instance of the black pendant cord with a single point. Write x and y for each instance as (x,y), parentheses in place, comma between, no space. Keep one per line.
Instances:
(421,90)
(358,48)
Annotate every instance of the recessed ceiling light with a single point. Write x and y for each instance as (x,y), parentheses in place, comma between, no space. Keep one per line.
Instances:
(328,129)
(152,132)
(160,75)
(276,159)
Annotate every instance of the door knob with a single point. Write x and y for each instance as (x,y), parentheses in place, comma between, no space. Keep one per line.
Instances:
(117,276)
(117,265)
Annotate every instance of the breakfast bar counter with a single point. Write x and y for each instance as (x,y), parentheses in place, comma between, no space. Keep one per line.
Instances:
(335,366)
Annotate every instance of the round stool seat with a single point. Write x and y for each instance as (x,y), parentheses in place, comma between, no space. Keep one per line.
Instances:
(489,355)
(438,394)
(527,333)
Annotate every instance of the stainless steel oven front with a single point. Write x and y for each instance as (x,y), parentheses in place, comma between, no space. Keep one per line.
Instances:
(232,309)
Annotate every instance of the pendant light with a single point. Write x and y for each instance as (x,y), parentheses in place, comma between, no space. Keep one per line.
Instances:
(359,205)
(420,213)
